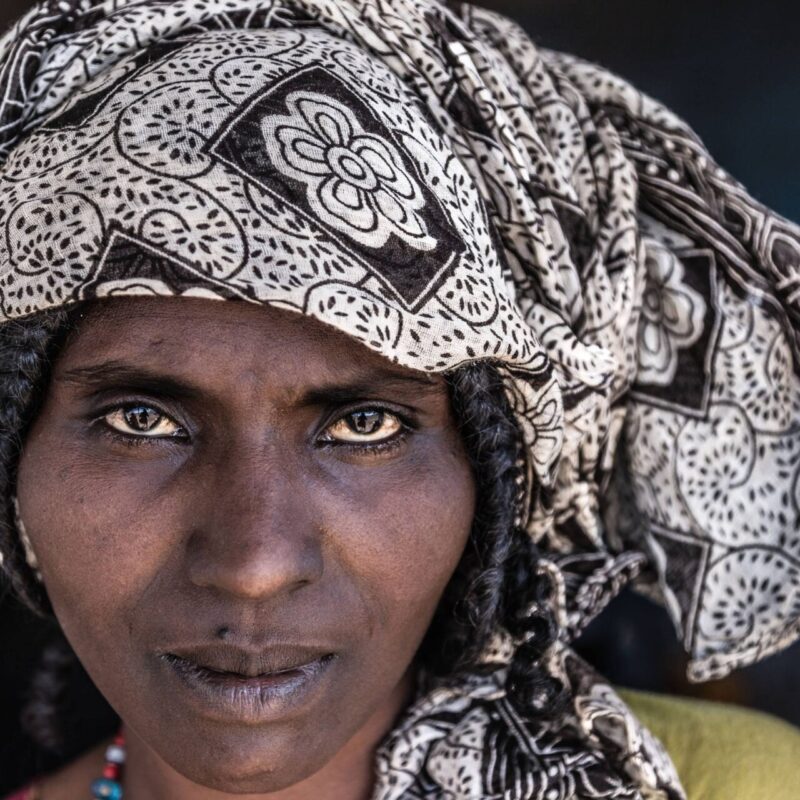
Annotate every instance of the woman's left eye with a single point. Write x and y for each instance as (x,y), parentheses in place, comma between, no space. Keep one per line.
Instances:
(143,421)
(365,426)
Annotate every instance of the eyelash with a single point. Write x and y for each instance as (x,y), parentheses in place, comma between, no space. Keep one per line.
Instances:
(386,445)
(131,440)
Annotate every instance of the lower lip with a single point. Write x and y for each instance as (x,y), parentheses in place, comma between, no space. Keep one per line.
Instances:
(230,697)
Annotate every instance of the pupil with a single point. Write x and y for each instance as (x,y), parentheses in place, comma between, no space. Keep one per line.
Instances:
(142,418)
(366,421)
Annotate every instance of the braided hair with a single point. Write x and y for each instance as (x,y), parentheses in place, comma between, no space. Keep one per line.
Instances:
(495,584)
(26,351)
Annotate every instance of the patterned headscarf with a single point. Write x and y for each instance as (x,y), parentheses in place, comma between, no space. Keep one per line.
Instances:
(425,179)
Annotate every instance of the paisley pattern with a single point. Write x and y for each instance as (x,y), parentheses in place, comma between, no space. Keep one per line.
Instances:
(465,740)
(424,178)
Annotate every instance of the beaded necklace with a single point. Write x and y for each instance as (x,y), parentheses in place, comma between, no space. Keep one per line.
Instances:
(109,786)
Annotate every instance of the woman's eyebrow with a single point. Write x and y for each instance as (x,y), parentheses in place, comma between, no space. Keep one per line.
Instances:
(362,385)
(100,376)
(368,385)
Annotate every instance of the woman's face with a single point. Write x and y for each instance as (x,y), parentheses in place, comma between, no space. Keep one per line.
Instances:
(244,521)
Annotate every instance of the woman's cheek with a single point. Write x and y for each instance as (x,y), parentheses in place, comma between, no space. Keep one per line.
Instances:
(100,526)
(403,530)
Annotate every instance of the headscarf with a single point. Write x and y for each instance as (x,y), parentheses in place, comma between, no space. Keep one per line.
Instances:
(424,178)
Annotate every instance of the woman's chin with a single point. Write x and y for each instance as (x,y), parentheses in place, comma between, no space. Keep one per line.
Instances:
(241,735)
(254,763)
(229,779)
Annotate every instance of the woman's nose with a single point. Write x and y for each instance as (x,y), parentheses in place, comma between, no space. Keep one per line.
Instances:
(253,533)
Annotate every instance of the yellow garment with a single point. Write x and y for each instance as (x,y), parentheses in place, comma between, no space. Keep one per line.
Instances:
(723,752)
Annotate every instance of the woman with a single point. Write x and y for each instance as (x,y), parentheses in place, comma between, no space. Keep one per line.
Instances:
(511,340)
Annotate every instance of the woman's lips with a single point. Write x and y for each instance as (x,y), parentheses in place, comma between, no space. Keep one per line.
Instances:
(263,688)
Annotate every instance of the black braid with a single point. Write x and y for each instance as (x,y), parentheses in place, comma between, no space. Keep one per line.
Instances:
(26,351)
(496,583)
(49,694)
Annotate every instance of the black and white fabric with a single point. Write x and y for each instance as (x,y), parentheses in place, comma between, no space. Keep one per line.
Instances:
(424,178)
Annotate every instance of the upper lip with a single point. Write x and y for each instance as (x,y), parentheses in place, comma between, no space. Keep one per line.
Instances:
(248,662)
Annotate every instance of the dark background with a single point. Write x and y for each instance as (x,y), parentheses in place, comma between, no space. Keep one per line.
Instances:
(731,69)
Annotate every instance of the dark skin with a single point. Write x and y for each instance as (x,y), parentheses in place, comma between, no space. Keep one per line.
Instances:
(207,474)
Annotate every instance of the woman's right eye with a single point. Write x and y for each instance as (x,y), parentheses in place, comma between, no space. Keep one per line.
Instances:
(143,421)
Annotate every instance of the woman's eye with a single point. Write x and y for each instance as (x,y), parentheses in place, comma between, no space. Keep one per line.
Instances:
(142,420)
(367,425)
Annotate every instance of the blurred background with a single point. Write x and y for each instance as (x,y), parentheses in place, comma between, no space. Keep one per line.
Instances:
(731,70)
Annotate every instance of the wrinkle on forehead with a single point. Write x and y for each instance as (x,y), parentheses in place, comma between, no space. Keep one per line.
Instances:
(212,343)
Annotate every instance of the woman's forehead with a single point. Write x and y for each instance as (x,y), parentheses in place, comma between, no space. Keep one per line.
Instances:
(207,342)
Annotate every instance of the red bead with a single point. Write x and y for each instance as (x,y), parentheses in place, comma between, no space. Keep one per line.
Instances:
(112,770)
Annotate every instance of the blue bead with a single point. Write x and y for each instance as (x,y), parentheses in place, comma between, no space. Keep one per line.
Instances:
(105,789)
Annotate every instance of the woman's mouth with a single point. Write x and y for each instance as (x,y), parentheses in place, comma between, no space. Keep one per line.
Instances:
(250,693)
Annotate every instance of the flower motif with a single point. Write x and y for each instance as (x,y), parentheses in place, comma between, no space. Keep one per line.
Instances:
(672,316)
(355,181)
